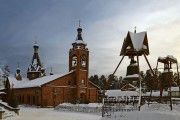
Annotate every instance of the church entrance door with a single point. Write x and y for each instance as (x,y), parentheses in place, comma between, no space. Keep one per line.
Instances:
(83,98)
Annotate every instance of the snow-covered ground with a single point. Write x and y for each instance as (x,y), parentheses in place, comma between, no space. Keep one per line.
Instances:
(91,108)
(27,113)
(151,112)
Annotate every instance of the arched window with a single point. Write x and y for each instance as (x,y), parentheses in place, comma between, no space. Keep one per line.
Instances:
(74,61)
(83,61)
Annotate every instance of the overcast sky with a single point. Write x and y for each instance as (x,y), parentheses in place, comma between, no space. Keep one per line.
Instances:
(105,23)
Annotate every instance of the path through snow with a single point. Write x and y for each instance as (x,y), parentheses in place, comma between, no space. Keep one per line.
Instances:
(50,114)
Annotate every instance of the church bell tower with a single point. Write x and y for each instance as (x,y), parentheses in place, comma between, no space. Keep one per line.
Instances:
(79,62)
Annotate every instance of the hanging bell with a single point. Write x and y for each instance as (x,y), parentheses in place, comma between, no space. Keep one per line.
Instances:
(132,73)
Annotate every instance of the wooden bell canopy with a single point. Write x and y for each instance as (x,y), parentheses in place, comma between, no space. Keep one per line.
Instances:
(167,75)
(135,44)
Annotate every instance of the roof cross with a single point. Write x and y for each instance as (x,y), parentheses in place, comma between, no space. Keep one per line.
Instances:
(36,37)
(51,69)
(135,29)
(18,64)
(79,23)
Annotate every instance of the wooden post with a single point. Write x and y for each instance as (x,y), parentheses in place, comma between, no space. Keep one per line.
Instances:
(118,65)
(109,80)
(161,92)
(178,77)
(170,87)
(170,98)
(103,107)
(149,65)
(139,83)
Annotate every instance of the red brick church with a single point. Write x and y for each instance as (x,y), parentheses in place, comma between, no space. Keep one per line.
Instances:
(50,90)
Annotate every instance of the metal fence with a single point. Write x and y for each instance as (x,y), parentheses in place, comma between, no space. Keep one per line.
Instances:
(84,109)
(106,110)
(109,110)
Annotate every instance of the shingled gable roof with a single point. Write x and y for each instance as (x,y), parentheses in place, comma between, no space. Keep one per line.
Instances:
(135,42)
(36,82)
(94,85)
(169,58)
(130,87)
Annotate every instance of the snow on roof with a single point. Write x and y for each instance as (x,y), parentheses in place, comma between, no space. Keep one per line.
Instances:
(25,83)
(36,45)
(134,64)
(39,81)
(161,58)
(79,42)
(132,76)
(137,39)
(132,86)
(116,93)
(14,82)
(172,57)
(94,84)
(129,85)
(168,56)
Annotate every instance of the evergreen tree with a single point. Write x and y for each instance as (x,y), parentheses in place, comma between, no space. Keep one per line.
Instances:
(112,82)
(96,80)
(91,78)
(102,81)
(6,71)
(147,80)
(12,100)
(175,77)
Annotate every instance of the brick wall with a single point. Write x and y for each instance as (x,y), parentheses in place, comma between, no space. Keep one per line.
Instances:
(60,90)
(31,96)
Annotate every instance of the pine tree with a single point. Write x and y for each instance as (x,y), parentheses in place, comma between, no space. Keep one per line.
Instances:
(12,99)
(102,81)
(6,71)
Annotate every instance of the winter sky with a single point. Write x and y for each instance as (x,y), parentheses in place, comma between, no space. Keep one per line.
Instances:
(105,23)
